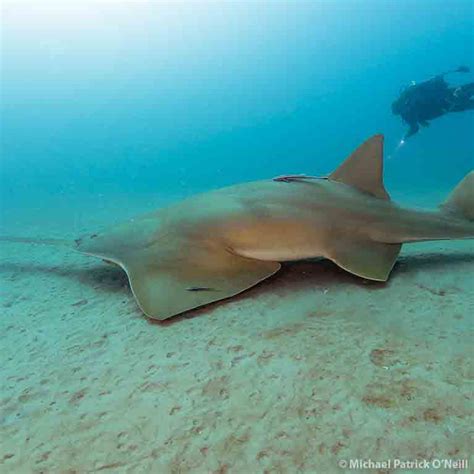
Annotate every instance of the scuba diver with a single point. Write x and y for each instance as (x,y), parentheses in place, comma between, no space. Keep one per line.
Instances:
(420,102)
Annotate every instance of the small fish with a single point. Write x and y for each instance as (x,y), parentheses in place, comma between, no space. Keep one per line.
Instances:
(199,288)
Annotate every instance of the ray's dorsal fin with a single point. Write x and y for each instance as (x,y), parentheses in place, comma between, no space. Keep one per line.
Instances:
(461,200)
(364,168)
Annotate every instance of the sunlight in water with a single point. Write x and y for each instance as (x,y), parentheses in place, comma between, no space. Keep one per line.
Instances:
(399,145)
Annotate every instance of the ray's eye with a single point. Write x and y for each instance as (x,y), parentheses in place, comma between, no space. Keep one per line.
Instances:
(93,236)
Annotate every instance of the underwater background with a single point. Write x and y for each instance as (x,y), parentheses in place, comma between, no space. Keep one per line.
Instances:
(128,97)
(110,109)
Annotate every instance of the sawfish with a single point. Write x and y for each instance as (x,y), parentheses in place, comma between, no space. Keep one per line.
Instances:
(216,245)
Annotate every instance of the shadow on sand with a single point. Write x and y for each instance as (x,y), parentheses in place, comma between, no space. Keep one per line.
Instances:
(296,275)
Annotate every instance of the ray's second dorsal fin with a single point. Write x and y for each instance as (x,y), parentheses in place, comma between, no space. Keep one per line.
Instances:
(364,168)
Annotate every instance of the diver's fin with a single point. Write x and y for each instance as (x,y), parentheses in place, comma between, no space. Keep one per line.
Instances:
(461,200)
(363,169)
(185,275)
(364,258)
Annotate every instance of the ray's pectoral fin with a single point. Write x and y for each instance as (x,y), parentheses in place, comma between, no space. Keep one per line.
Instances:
(367,259)
(185,277)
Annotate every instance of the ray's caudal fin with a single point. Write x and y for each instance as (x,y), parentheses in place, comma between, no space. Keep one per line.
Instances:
(461,200)
(35,241)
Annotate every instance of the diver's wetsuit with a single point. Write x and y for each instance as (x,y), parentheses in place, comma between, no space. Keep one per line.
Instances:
(428,100)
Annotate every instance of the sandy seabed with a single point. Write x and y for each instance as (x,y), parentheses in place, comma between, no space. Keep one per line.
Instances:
(311,367)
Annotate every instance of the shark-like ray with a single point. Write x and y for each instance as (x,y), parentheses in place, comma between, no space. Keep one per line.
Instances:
(215,245)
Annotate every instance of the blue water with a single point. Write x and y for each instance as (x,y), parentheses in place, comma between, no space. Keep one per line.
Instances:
(171,97)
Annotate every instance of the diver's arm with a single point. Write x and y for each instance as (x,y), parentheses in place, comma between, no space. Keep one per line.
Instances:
(414,127)
(461,69)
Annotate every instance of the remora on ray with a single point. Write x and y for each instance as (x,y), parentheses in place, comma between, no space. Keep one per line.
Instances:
(215,245)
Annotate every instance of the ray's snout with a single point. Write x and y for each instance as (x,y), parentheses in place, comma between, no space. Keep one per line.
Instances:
(81,240)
